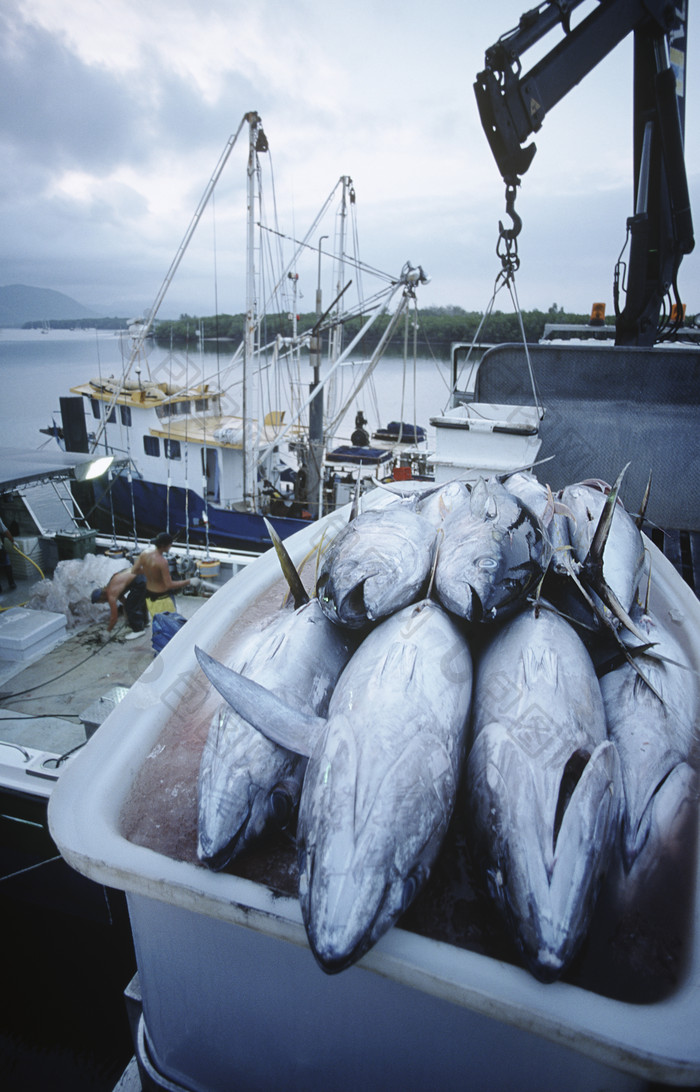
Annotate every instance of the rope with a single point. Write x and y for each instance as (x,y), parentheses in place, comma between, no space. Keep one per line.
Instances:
(516,306)
(168,461)
(506,279)
(29,868)
(187,458)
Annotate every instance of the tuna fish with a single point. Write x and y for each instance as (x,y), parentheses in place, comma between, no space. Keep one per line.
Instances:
(551,512)
(380,562)
(655,732)
(437,505)
(543,785)
(494,552)
(245,781)
(608,547)
(382,775)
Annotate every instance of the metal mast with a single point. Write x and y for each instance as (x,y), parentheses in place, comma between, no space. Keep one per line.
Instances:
(257,142)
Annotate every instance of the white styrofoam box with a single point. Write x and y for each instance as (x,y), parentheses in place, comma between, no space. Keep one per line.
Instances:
(26,633)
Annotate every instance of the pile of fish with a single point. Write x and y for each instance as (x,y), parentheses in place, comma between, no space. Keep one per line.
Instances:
(490,644)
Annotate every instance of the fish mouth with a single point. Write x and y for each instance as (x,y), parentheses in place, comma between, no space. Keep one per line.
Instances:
(350,609)
(220,858)
(332,962)
(353,609)
(547,967)
(476,607)
(217,855)
(335,945)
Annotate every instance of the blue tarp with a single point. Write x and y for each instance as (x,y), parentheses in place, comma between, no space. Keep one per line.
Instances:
(164,627)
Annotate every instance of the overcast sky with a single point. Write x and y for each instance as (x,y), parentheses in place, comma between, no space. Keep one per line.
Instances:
(113,116)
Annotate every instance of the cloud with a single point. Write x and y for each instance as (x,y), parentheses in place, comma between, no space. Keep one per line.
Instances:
(115,116)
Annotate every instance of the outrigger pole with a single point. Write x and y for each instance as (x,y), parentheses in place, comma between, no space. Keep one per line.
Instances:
(253,119)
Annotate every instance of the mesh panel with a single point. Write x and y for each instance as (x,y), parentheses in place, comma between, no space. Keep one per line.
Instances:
(607,406)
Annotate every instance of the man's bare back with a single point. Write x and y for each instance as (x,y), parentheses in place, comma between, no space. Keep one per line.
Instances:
(154,567)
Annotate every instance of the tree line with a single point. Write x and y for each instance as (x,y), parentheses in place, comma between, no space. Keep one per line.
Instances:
(78,324)
(438,327)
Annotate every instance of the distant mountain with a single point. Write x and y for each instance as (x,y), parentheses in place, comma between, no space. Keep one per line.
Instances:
(19,303)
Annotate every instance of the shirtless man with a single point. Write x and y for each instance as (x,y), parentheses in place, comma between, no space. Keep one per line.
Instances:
(159,583)
(113,593)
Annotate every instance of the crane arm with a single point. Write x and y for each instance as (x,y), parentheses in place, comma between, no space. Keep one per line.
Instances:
(513,105)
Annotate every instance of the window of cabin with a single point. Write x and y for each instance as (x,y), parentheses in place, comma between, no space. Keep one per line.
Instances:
(125,414)
(172,449)
(201,405)
(151,445)
(95,403)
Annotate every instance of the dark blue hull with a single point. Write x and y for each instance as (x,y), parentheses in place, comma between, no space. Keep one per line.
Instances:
(148,508)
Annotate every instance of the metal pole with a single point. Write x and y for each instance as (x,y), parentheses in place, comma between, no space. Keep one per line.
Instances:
(313,476)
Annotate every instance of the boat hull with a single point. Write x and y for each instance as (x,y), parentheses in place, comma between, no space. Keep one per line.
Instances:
(152,507)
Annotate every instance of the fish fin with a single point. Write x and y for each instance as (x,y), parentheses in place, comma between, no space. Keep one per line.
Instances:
(479,499)
(615,606)
(355,510)
(558,508)
(502,478)
(535,666)
(399,662)
(439,539)
(291,574)
(279,722)
(639,518)
(594,557)
(319,555)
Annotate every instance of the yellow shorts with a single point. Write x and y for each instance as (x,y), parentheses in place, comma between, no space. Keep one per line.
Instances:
(157,606)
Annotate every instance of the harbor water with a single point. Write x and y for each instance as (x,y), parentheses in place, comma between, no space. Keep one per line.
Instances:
(38,368)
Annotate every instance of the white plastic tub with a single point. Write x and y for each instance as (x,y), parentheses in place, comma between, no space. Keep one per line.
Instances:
(479,439)
(232,996)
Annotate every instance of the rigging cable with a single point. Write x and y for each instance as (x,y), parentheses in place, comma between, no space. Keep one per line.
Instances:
(167,441)
(205,459)
(110,471)
(187,453)
(112,411)
(123,426)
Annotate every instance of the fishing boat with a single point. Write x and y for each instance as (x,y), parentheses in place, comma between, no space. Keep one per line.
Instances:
(207,456)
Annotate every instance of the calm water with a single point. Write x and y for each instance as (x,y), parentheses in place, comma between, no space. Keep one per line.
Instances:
(37,369)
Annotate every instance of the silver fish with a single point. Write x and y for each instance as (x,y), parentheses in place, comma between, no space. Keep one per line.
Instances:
(437,505)
(543,785)
(655,735)
(379,563)
(551,512)
(494,552)
(245,781)
(615,575)
(381,780)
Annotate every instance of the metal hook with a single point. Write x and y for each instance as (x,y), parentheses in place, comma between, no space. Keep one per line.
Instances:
(511,233)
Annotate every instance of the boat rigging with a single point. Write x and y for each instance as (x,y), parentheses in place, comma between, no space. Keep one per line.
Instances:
(254,432)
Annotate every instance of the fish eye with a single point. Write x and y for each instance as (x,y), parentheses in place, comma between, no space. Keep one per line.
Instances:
(486,563)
